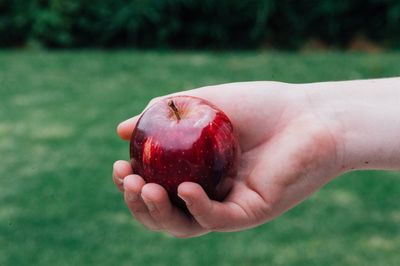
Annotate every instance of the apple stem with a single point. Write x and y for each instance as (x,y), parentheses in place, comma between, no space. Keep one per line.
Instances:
(171,104)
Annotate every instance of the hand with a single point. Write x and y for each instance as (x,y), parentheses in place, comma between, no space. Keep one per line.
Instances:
(288,152)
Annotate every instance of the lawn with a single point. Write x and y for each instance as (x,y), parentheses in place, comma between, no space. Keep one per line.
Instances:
(58,205)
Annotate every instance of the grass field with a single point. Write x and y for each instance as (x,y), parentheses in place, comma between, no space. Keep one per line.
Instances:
(58,205)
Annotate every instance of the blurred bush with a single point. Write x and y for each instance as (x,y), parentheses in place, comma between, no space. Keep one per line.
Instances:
(196,24)
(335,22)
(15,22)
(151,23)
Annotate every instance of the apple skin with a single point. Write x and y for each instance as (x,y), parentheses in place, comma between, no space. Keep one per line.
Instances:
(185,138)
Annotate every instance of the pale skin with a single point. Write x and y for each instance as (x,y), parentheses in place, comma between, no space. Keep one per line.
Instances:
(294,139)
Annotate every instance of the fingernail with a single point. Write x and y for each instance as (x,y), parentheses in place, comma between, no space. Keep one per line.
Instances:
(115,166)
(132,196)
(150,206)
(121,181)
(186,200)
(122,124)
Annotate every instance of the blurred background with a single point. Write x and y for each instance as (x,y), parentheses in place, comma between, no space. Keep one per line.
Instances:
(70,71)
(191,24)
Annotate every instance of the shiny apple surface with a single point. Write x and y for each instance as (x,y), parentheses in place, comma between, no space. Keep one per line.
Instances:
(185,138)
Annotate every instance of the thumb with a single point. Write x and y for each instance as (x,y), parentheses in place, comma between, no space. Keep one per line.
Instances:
(210,214)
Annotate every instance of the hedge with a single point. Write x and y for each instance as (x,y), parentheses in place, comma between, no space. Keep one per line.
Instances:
(189,24)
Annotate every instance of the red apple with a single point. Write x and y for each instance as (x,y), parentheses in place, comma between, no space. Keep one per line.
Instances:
(185,138)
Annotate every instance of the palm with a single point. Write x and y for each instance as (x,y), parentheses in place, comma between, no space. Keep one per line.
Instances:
(282,171)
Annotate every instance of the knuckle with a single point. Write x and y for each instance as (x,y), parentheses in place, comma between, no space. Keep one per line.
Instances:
(268,209)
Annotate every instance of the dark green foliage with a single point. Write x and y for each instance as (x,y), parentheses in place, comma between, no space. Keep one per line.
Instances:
(196,24)
(15,19)
(178,23)
(335,22)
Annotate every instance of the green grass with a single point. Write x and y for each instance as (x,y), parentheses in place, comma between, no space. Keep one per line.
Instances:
(58,205)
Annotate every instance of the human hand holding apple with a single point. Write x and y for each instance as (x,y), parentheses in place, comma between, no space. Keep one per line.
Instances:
(287,152)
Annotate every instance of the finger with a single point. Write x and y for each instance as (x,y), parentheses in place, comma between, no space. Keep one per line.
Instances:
(125,128)
(133,185)
(167,215)
(210,214)
(120,170)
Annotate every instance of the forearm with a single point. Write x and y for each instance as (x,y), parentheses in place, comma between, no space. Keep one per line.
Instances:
(364,116)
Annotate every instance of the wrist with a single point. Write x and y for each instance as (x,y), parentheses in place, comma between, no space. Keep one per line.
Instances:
(364,118)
